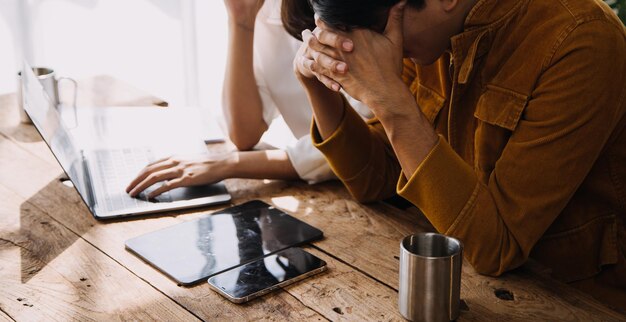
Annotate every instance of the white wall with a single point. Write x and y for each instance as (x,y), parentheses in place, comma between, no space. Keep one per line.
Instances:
(138,41)
(8,59)
(212,29)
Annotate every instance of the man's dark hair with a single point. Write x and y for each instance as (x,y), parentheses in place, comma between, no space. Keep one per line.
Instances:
(297,15)
(349,14)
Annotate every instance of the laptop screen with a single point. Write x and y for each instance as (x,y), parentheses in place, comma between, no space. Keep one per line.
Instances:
(48,122)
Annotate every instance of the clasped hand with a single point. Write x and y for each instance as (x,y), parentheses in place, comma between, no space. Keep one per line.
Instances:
(365,64)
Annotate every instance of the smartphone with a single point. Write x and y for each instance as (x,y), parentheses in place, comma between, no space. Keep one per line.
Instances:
(251,280)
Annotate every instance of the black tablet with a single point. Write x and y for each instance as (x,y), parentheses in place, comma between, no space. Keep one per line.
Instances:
(193,251)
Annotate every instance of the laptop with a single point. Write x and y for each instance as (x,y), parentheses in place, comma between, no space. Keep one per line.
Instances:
(100,169)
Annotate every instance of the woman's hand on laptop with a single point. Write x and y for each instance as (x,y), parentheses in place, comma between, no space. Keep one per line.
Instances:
(177,172)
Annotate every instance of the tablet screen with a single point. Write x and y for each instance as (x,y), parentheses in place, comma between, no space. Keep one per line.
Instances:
(192,251)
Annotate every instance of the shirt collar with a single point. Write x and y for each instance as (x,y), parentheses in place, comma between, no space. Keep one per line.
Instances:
(476,39)
(488,12)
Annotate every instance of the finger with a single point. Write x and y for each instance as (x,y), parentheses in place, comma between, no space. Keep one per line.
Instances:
(393,29)
(329,63)
(311,65)
(327,81)
(313,43)
(306,34)
(166,186)
(321,24)
(151,168)
(318,20)
(302,65)
(154,178)
(327,36)
(308,37)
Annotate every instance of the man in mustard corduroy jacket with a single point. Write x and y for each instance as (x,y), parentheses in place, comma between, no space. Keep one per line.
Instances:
(504,124)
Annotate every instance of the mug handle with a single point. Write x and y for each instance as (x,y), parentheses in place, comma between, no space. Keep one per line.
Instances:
(75,96)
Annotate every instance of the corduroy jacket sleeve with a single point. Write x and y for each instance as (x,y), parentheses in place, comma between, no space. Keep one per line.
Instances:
(361,156)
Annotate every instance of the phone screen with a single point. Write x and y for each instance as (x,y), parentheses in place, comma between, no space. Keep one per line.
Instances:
(251,280)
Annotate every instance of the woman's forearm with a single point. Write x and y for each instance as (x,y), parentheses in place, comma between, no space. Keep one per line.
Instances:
(265,164)
(242,103)
(327,106)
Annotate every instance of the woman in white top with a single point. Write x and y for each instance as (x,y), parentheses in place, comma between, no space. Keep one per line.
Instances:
(258,87)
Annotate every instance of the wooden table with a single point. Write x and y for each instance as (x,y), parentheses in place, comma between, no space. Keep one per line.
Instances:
(58,263)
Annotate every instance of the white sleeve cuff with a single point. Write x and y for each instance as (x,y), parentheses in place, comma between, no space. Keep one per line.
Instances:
(309,162)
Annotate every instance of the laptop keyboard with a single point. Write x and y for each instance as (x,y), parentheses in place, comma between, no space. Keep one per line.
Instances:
(117,167)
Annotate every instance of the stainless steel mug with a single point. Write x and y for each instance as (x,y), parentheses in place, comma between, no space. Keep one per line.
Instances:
(49,81)
(430,277)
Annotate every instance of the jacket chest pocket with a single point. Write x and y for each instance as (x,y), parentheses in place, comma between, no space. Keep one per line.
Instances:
(497,114)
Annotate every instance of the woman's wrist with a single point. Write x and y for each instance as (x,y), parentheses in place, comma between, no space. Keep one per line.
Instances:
(312,85)
(304,80)
(242,24)
(225,164)
(258,164)
(242,13)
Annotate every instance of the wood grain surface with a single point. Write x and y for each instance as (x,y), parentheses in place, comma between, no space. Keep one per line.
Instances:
(58,263)
(49,272)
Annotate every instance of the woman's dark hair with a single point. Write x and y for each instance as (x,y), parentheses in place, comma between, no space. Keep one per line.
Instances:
(349,14)
(297,15)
